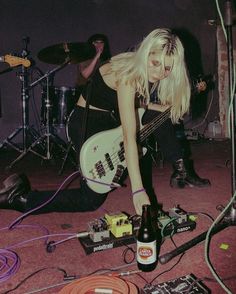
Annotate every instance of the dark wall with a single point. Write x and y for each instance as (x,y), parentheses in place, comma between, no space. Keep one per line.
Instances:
(125,22)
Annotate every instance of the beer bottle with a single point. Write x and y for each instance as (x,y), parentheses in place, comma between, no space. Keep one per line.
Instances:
(146,242)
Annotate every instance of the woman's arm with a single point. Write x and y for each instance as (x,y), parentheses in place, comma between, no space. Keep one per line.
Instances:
(126,102)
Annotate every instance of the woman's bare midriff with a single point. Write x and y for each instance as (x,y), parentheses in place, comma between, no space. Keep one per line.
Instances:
(82,103)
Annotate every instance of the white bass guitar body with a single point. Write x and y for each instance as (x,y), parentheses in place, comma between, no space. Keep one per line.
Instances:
(102,157)
(102,160)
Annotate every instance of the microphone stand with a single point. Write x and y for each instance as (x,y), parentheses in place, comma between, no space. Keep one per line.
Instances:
(229,218)
(231,77)
(45,141)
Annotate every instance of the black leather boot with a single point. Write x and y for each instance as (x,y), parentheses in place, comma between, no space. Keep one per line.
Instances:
(14,194)
(177,179)
(185,175)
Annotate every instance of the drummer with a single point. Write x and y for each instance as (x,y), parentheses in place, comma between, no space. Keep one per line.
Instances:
(85,69)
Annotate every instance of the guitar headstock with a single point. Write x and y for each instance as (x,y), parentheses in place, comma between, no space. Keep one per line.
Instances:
(15,60)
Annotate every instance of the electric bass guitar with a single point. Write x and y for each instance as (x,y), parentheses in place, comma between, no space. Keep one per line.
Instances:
(102,156)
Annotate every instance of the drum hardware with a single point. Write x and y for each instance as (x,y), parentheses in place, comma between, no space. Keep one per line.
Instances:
(62,101)
(48,140)
(29,134)
(68,156)
(70,151)
(60,54)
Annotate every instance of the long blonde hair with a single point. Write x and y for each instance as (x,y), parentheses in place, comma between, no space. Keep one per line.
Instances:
(174,90)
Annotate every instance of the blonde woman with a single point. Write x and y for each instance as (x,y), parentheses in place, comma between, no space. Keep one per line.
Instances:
(156,66)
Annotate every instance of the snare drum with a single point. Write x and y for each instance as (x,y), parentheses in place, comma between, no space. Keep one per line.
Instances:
(60,102)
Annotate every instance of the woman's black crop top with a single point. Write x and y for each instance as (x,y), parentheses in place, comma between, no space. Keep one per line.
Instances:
(101,95)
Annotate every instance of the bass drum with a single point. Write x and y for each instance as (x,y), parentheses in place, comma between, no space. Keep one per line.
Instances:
(59,103)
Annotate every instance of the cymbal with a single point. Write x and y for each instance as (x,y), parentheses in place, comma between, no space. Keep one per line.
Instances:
(58,54)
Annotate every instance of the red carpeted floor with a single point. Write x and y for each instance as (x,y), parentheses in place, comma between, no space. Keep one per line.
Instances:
(40,271)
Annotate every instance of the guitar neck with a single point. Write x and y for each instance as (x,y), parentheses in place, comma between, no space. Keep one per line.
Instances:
(152,126)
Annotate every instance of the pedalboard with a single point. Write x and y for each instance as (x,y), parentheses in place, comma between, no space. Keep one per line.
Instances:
(176,221)
(174,227)
(179,214)
(107,243)
(119,224)
(115,230)
(186,284)
(98,230)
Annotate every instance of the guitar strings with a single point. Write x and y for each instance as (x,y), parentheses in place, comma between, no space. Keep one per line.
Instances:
(142,134)
(155,123)
(147,130)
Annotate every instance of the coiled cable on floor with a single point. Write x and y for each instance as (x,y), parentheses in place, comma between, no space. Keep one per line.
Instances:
(9,264)
(100,284)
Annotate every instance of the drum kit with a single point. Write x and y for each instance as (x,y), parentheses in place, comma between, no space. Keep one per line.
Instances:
(56,103)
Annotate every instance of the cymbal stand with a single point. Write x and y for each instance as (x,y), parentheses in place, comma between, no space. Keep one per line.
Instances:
(48,139)
(29,134)
(70,151)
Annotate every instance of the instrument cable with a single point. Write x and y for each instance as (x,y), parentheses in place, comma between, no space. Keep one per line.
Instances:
(100,284)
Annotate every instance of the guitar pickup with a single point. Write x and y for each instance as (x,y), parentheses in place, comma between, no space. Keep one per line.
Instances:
(121,152)
(100,169)
(119,173)
(109,161)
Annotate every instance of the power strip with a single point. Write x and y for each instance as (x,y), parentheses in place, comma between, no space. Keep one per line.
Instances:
(186,284)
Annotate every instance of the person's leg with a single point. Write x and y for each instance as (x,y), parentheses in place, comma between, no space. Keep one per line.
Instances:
(69,200)
(19,197)
(165,136)
(146,164)
(147,178)
(183,170)
(81,199)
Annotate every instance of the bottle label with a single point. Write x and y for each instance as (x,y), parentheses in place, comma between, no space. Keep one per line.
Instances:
(146,252)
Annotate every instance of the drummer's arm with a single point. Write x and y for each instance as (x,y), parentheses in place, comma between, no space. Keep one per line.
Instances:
(86,71)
